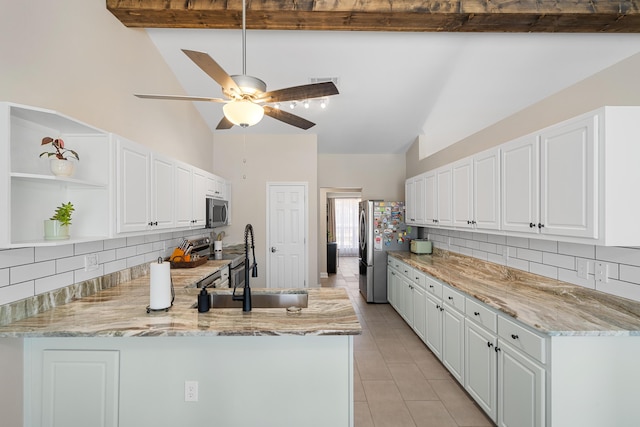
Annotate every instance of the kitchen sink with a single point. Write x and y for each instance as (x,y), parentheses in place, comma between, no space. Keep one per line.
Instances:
(261,300)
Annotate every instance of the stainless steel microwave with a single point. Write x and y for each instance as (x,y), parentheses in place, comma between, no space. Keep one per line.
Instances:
(217,212)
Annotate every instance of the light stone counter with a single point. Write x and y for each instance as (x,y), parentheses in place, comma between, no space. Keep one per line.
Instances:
(120,311)
(550,306)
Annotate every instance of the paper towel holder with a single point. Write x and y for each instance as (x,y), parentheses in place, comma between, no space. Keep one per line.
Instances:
(173,294)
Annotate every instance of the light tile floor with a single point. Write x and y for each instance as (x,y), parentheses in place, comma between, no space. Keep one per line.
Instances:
(398,381)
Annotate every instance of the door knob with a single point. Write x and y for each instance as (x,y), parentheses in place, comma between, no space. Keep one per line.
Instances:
(273,249)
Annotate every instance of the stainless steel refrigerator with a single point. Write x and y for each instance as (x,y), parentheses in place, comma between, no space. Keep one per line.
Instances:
(382,229)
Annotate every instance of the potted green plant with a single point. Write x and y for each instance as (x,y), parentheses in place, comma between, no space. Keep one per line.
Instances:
(57,227)
(59,157)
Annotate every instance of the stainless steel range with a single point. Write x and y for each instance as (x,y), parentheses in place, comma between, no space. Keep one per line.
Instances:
(203,247)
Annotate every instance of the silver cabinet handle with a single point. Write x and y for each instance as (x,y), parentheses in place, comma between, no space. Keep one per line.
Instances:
(273,249)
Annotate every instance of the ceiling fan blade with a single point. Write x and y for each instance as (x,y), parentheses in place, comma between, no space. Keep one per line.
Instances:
(313,90)
(213,70)
(288,118)
(224,124)
(181,98)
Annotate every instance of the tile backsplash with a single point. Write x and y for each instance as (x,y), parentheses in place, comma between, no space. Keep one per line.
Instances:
(26,272)
(569,262)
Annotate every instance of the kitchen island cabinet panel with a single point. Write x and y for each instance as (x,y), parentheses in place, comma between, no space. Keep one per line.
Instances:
(242,381)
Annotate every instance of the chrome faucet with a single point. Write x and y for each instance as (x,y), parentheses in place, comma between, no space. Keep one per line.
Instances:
(246,295)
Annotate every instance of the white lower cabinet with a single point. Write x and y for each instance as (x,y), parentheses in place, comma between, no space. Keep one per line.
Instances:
(480,363)
(521,385)
(79,388)
(500,363)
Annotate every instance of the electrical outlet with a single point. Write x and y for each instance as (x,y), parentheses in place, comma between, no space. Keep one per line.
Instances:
(90,262)
(191,391)
(602,272)
(583,268)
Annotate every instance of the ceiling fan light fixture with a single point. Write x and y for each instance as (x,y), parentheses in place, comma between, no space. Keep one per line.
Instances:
(306,104)
(243,113)
(250,85)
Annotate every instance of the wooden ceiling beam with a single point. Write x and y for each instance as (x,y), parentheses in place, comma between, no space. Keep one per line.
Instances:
(569,16)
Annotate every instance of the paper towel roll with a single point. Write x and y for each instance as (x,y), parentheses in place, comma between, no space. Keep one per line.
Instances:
(160,286)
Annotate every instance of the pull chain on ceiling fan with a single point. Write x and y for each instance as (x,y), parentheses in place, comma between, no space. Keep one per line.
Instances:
(247,96)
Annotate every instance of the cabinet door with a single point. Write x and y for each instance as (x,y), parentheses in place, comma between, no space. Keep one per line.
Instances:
(521,384)
(480,375)
(410,201)
(80,388)
(462,172)
(419,198)
(391,286)
(486,190)
(445,189)
(520,185)
(407,300)
(453,342)
(419,312)
(430,199)
(184,195)
(162,192)
(133,186)
(568,179)
(199,198)
(434,325)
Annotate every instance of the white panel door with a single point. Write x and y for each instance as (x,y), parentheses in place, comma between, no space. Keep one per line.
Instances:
(199,198)
(486,190)
(410,200)
(162,192)
(568,179)
(80,388)
(520,185)
(463,193)
(430,199)
(480,367)
(445,204)
(133,186)
(184,196)
(287,236)
(420,200)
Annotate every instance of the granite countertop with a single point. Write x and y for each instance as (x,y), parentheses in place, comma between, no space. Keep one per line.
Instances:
(120,311)
(550,306)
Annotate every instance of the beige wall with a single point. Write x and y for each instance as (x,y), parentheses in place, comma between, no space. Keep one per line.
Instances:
(75,57)
(616,85)
(252,161)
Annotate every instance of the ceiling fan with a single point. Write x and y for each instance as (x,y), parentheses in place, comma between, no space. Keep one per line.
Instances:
(247,96)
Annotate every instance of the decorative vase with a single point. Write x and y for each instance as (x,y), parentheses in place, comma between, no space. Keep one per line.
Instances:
(54,230)
(61,167)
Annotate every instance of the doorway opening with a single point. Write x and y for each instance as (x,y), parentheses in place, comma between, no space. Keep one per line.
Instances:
(339,233)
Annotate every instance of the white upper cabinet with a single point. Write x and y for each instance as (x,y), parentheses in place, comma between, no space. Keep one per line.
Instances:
(217,187)
(445,203)
(190,197)
(486,190)
(30,192)
(415,200)
(162,190)
(430,198)
(567,182)
(134,186)
(568,179)
(463,193)
(520,185)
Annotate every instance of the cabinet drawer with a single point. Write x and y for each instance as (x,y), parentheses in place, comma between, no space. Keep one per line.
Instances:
(390,261)
(433,286)
(481,315)
(406,270)
(522,338)
(418,278)
(453,298)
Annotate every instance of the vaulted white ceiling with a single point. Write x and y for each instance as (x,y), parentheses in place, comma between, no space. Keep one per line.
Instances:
(394,86)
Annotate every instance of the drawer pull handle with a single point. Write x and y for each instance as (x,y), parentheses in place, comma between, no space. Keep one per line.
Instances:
(497,349)
(431,286)
(450,298)
(489,344)
(514,336)
(475,313)
(531,225)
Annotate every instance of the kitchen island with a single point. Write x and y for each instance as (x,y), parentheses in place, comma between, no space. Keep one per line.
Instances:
(267,367)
